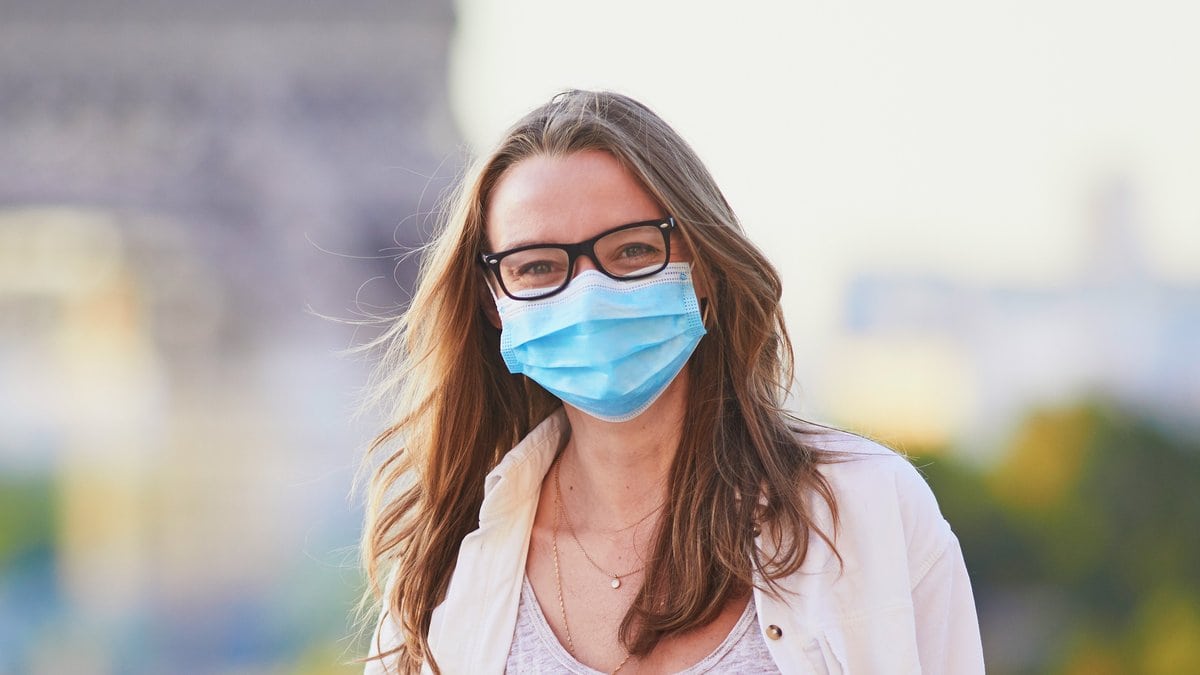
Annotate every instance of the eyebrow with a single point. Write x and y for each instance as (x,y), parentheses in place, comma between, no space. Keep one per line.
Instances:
(531,242)
(528,242)
(534,242)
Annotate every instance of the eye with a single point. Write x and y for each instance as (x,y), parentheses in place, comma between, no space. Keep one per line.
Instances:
(636,250)
(535,268)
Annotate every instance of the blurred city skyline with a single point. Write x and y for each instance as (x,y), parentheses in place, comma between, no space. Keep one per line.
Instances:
(936,360)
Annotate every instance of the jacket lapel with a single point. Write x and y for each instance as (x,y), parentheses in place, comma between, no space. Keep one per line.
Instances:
(472,629)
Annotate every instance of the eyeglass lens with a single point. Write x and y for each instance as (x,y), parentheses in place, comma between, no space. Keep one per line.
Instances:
(624,253)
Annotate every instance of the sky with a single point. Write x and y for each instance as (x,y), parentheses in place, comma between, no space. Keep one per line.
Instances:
(963,138)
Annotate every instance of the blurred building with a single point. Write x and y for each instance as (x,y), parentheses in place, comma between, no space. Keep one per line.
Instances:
(930,359)
(183,182)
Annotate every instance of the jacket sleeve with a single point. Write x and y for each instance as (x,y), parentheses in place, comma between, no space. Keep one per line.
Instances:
(947,627)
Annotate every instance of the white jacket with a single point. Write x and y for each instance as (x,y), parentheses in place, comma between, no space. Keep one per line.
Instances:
(900,604)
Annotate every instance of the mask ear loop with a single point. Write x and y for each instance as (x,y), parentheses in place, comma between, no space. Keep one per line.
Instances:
(704,304)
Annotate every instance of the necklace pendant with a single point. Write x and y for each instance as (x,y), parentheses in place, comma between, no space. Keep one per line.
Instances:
(616,582)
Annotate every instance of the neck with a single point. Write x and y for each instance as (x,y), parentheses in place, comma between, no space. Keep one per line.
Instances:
(614,473)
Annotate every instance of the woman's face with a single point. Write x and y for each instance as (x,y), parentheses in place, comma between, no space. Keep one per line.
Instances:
(563,200)
(572,199)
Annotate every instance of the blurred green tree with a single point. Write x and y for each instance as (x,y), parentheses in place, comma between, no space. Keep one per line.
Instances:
(1091,522)
(27,518)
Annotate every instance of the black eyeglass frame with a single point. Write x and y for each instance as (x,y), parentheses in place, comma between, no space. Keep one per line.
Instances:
(587,247)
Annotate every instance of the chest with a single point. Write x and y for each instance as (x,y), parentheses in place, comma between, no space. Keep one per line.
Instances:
(585,611)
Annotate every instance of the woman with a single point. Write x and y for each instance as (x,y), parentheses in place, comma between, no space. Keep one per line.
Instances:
(596,471)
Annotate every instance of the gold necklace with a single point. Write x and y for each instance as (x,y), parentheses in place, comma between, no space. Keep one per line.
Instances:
(639,521)
(615,583)
(562,606)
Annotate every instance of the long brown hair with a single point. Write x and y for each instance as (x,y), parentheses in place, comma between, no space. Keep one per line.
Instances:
(457,409)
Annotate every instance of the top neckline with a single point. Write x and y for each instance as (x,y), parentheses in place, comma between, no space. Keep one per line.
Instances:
(560,653)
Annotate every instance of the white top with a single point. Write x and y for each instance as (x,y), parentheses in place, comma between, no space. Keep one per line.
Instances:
(535,649)
(901,603)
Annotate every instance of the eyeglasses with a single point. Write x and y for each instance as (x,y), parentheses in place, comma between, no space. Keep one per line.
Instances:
(538,271)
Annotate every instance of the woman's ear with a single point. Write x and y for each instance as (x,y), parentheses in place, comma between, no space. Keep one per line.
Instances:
(487,303)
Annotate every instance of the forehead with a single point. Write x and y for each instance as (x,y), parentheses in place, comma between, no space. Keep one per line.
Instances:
(563,199)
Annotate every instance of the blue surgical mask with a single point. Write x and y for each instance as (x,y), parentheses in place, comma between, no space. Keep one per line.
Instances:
(604,346)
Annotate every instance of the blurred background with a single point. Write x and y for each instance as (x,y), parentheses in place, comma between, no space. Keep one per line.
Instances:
(986,218)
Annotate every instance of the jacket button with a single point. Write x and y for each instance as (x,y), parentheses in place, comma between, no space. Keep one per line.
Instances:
(774,632)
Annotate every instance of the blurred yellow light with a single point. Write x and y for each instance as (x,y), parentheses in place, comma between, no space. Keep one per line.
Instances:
(56,250)
(913,392)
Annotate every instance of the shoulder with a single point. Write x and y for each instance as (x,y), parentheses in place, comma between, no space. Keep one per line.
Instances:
(882,499)
(855,462)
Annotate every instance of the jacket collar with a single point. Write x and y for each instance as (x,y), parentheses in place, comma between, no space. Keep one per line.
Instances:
(519,475)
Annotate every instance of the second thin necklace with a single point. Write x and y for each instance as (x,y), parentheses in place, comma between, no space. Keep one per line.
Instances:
(615,579)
